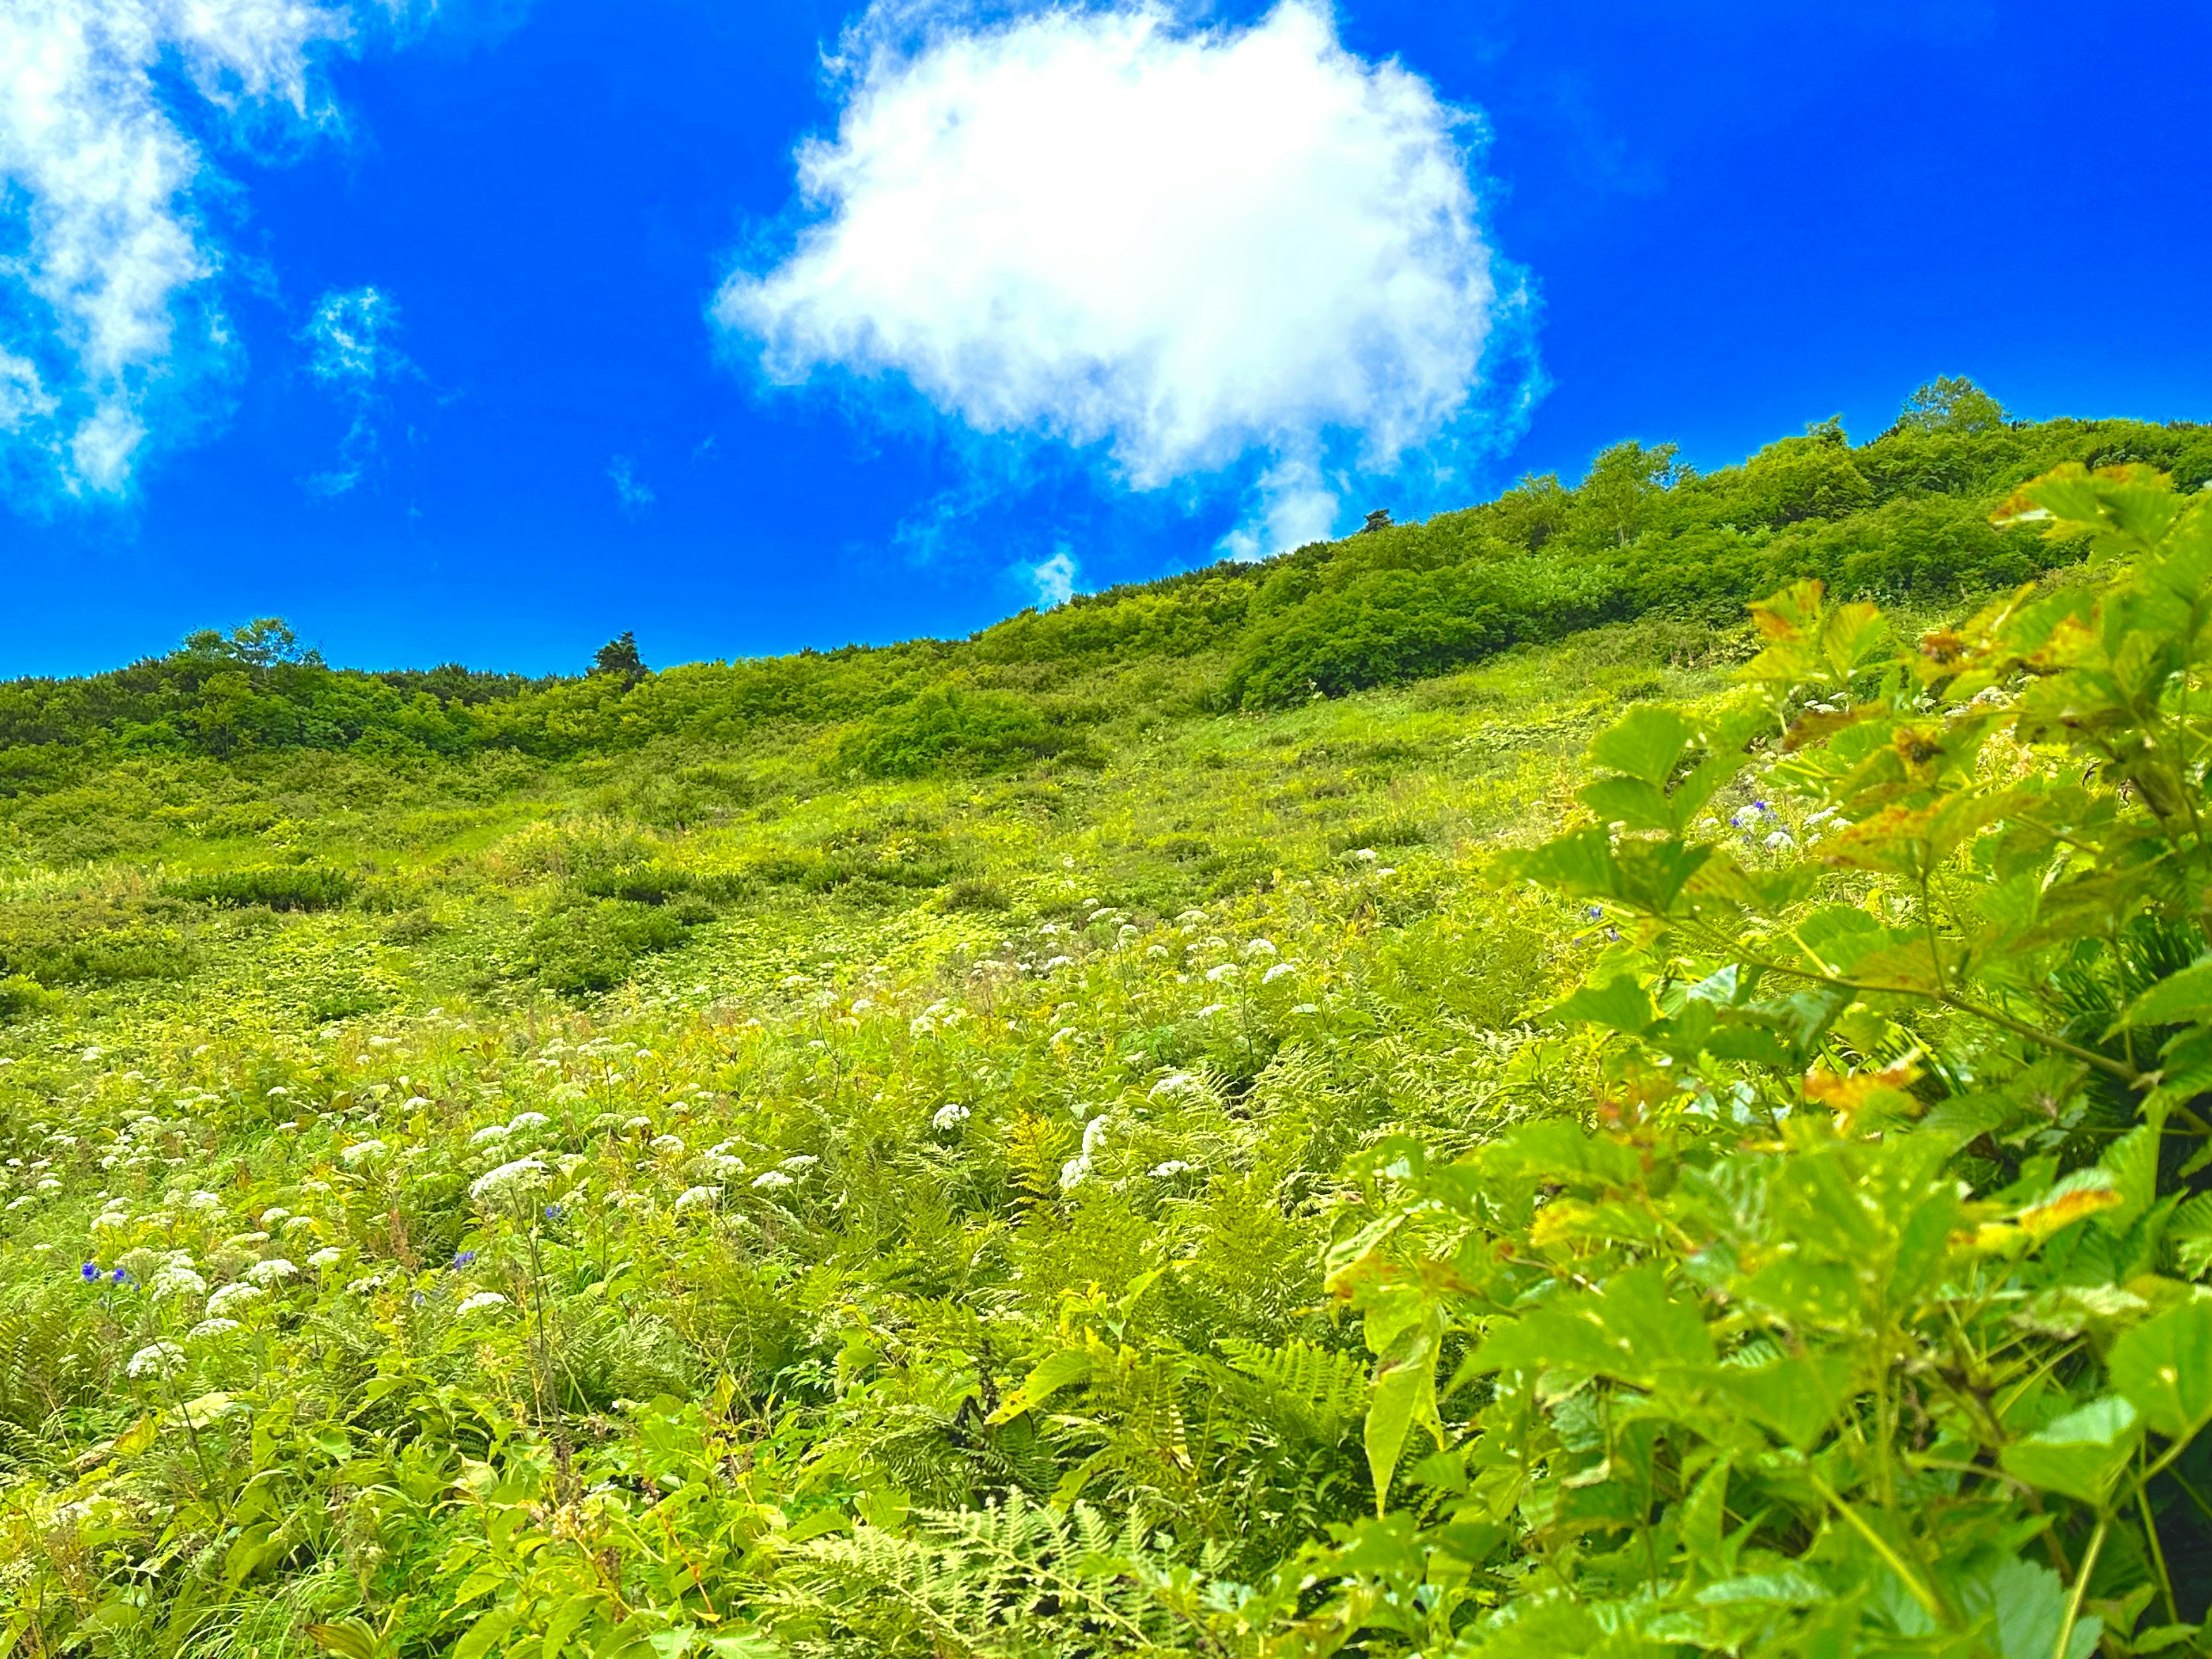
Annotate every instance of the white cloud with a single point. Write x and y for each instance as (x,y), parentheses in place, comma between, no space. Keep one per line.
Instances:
(350,338)
(621,473)
(108,299)
(1190,248)
(112,331)
(1055,579)
(351,350)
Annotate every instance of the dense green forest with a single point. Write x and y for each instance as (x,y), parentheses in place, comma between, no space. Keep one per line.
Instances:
(1627,1071)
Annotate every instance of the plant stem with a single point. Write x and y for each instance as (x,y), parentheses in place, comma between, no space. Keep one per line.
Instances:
(2081,1586)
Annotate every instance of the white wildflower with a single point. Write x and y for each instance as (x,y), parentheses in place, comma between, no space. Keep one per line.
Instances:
(414,1103)
(1211,1009)
(1366,855)
(490,1132)
(208,1327)
(481,1301)
(231,1297)
(507,1180)
(950,1115)
(1174,1166)
(670,1144)
(522,1120)
(274,1216)
(1280,970)
(161,1361)
(1259,947)
(695,1197)
(364,1287)
(1226,971)
(274,1271)
(299,1223)
(111,1218)
(203,1201)
(771,1180)
(360,1152)
(329,1256)
(175,1280)
(1779,840)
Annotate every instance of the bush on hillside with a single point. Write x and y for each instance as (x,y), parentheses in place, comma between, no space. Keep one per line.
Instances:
(275,886)
(595,945)
(91,942)
(947,729)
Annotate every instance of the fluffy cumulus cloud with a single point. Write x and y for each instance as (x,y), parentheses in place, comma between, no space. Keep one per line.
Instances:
(112,334)
(1192,250)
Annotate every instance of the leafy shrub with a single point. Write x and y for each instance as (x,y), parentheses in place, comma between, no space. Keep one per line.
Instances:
(946,729)
(1903,1077)
(19,994)
(976,894)
(91,942)
(412,927)
(275,886)
(593,946)
(655,881)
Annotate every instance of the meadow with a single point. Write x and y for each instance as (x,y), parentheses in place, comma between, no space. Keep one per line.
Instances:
(1536,1083)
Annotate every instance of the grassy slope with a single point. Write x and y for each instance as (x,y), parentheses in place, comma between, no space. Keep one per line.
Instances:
(137,1096)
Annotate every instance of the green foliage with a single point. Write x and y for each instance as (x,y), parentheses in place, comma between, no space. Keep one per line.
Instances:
(592,945)
(946,729)
(276,886)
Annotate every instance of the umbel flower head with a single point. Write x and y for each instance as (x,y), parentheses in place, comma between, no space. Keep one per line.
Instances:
(159,1362)
(231,1297)
(508,1181)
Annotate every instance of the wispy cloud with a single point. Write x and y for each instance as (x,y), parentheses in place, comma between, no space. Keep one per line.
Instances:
(635,495)
(114,338)
(109,307)
(352,348)
(1191,251)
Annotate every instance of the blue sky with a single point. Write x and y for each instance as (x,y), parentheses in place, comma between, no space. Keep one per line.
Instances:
(484,333)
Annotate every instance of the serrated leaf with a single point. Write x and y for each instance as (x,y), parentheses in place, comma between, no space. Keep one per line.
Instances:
(2082,1453)
(1797,1397)
(2164,1366)
(1644,743)
(2178,998)
(1620,1004)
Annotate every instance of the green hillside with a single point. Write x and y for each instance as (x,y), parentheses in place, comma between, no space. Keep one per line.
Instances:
(1523,1085)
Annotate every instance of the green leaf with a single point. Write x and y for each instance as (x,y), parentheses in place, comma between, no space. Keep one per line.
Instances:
(2164,1366)
(354,1639)
(2082,1453)
(1796,1397)
(2173,1000)
(1631,801)
(563,1624)
(1644,743)
(2026,1603)
(1404,1394)
(486,1634)
(1620,1004)
(1054,1373)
